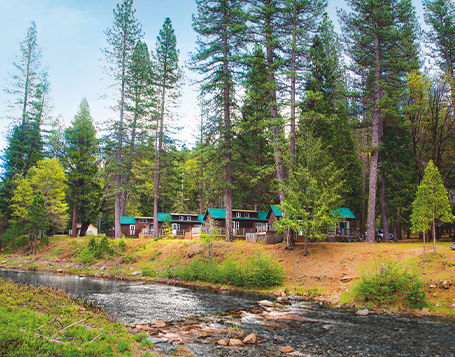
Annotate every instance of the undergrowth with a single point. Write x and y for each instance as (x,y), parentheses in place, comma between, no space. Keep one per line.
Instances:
(33,321)
(390,285)
(258,271)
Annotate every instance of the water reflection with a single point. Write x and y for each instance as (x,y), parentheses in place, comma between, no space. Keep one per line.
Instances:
(138,303)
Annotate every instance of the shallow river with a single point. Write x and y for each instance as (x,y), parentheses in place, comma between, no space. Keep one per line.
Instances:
(310,329)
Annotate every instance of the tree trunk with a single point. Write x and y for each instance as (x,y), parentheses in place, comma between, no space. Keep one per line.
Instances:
(364,178)
(227,138)
(34,248)
(279,164)
(293,76)
(74,223)
(375,144)
(305,250)
(434,235)
(424,260)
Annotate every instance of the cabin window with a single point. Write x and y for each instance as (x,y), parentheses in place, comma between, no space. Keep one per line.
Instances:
(142,221)
(188,218)
(237,225)
(238,214)
(181,218)
(176,226)
(247,215)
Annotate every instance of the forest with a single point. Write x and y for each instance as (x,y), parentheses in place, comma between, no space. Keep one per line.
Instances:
(292,113)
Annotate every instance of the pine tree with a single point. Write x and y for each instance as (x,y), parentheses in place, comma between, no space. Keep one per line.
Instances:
(381,39)
(167,76)
(220,25)
(440,16)
(325,109)
(300,20)
(81,163)
(121,38)
(139,101)
(431,204)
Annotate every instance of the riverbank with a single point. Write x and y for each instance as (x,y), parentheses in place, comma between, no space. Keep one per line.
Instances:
(325,274)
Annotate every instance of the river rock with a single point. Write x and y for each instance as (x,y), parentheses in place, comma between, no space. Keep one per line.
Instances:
(59,271)
(144,328)
(266,303)
(223,342)
(134,273)
(251,338)
(82,275)
(4,262)
(452,246)
(98,275)
(235,342)
(363,312)
(159,323)
(346,279)
(279,293)
(155,340)
(287,349)
(453,305)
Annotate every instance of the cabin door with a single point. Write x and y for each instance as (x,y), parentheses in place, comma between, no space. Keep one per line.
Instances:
(132,230)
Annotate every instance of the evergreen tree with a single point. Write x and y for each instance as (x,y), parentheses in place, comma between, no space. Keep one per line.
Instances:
(300,20)
(167,76)
(121,38)
(252,155)
(440,16)
(140,98)
(221,27)
(325,110)
(381,38)
(81,163)
(431,204)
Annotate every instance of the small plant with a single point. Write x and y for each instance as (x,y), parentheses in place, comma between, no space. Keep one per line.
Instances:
(156,254)
(123,346)
(44,241)
(390,285)
(121,245)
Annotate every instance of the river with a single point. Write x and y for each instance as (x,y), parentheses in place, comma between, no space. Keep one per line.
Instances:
(311,330)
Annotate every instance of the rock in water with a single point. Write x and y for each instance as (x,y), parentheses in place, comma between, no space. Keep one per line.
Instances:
(363,312)
(251,338)
(223,342)
(266,303)
(287,349)
(159,323)
(235,342)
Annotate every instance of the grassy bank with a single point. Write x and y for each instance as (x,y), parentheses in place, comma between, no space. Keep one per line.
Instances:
(40,321)
(328,273)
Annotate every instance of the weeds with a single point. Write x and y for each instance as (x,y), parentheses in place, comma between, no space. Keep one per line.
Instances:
(390,285)
(259,271)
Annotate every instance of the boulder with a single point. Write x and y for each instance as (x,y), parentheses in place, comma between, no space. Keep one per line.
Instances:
(346,279)
(287,349)
(135,273)
(266,303)
(363,312)
(59,271)
(223,342)
(452,246)
(235,342)
(251,338)
(158,323)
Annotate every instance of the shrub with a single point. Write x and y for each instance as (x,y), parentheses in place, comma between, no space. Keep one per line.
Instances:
(258,271)
(44,241)
(391,285)
(122,245)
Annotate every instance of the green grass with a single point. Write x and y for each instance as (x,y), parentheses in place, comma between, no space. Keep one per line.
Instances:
(259,272)
(32,321)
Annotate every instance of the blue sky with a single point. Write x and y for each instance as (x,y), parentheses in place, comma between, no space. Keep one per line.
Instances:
(71,36)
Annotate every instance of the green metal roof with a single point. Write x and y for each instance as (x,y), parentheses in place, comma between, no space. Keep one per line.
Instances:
(164,217)
(127,220)
(262,215)
(219,213)
(343,212)
(276,211)
(200,218)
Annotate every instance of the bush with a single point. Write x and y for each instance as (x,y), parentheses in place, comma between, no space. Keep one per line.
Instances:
(258,271)
(121,245)
(44,241)
(391,285)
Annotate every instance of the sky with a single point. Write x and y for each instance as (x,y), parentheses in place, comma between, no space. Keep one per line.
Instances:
(71,36)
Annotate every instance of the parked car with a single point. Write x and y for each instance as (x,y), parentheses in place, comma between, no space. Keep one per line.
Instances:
(379,235)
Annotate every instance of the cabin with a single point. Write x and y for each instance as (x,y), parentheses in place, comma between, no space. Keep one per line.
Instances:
(244,221)
(346,226)
(179,224)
